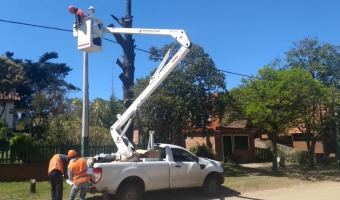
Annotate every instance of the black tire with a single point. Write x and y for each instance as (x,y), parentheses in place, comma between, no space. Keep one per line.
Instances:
(129,191)
(211,186)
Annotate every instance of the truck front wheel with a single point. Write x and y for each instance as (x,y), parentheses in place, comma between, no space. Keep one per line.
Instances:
(129,191)
(211,186)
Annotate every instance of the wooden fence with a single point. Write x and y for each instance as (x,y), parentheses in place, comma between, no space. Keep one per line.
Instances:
(263,155)
(42,153)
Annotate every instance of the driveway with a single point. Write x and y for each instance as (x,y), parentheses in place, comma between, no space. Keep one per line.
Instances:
(313,191)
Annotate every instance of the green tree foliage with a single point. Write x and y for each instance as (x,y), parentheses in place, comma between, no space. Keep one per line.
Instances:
(67,128)
(43,89)
(104,113)
(320,118)
(185,100)
(44,77)
(11,75)
(5,135)
(271,101)
(320,60)
(115,106)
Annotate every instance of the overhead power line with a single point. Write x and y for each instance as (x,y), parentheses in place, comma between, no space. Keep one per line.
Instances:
(33,25)
(228,72)
(67,30)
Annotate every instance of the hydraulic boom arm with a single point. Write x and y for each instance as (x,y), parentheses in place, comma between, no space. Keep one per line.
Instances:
(125,120)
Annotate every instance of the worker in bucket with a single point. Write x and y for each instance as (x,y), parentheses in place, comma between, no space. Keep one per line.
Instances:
(79,15)
(55,173)
(77,173)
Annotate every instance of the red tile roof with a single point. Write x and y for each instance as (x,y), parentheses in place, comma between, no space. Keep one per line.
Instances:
(9,96)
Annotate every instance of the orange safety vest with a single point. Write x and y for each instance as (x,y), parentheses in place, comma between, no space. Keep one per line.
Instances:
(79,171)
(56,163)
(80,13)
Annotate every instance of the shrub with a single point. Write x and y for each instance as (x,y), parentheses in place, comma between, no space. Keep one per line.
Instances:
(18,144)
(203,151)
(5,135)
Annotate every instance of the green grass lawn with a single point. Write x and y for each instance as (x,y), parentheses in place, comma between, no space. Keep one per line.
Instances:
(21,190)
(237,179)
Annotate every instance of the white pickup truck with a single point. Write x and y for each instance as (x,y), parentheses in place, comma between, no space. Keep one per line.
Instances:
(175,168)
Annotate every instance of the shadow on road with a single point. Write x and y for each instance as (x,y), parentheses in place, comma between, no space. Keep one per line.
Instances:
(184,194)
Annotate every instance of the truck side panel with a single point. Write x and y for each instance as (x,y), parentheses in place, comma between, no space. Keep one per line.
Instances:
(155,174)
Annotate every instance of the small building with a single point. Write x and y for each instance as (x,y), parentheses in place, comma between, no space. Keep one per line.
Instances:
(234,142)
(8,108)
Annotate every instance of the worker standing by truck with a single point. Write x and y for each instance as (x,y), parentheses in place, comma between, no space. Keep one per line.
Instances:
(77,173)
(55,173)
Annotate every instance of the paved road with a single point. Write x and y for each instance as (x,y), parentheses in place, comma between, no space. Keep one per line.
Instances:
(313,191)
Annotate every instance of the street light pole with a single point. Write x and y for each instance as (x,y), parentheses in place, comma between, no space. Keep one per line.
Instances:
(85,119)
(90,34)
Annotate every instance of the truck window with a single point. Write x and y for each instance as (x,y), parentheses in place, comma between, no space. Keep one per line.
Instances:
(161,153)
(182,156)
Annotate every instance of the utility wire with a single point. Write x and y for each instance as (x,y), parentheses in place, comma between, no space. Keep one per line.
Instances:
(66,30)
(228,72)
(33,25)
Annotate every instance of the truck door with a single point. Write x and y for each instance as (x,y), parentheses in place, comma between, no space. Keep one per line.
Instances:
(184,170)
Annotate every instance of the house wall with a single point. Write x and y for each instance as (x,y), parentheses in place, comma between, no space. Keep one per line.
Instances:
(212,141)
(215,141)
(241,156)
(302,146)
(8,114)
(200,139)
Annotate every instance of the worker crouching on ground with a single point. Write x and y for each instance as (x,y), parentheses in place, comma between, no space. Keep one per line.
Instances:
(55,173)
(77,173)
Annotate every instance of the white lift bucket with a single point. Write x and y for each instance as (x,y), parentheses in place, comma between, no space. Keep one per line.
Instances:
(90,35)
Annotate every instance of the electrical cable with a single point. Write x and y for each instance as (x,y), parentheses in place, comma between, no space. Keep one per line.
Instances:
(65,30)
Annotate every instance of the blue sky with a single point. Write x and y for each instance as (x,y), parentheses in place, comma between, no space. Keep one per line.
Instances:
(241,36)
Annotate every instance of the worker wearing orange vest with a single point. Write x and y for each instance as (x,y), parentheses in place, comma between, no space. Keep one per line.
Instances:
(55,173)
(77,173)
(79,15)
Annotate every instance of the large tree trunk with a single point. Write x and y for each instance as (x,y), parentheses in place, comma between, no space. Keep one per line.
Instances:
(273,138)
(274,164)
(127,66)
(311,154)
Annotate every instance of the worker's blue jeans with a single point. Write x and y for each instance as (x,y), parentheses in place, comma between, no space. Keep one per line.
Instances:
(83,187)
(56,179)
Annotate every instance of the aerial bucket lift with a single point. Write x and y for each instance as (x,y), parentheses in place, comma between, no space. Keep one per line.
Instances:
(90,36)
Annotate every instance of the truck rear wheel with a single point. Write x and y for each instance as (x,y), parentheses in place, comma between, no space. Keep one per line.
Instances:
(211,186)
(129,191)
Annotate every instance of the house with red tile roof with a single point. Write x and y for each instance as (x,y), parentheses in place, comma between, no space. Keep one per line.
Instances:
(7,108)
